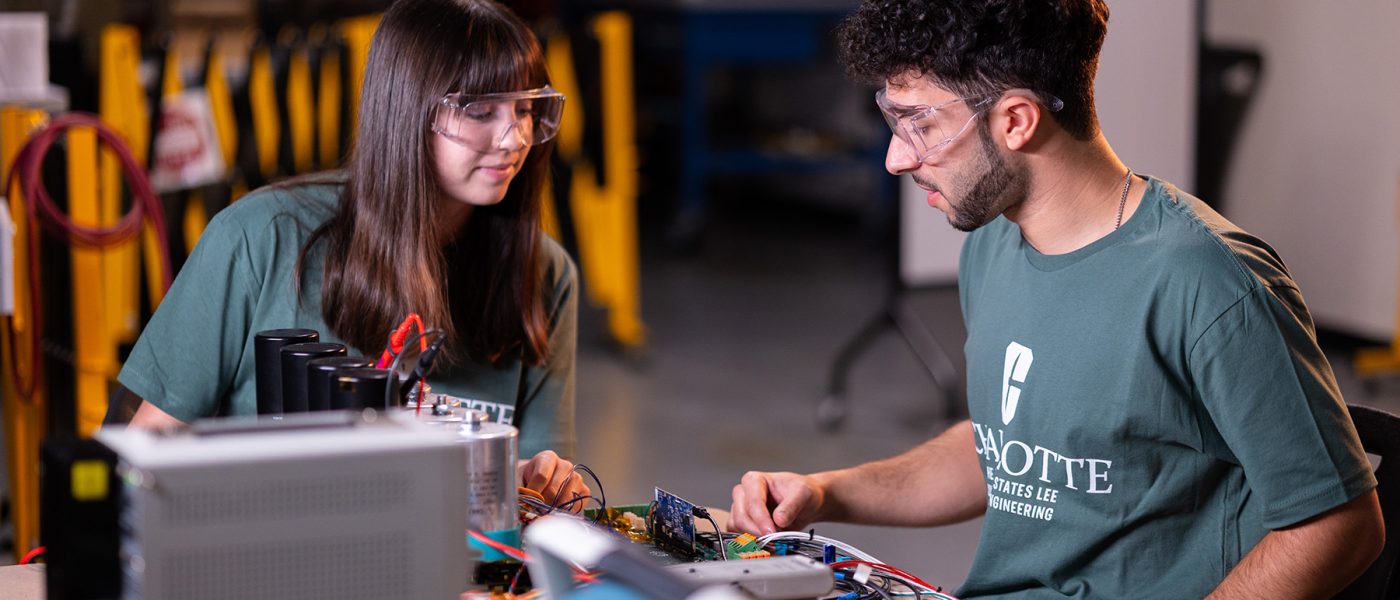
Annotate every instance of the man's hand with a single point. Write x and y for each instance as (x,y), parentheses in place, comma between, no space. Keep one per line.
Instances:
(795,501)
(554,478)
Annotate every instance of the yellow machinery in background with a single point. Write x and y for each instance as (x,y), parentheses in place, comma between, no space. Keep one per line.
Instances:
(94,350)
(328,96)
(301,105)
(94,356)
(605,216)
(224,53)
(183,53)
(106,296)
(25,420)
(357,33)
(122,105)
(106,292)
(28,134)
(267,124)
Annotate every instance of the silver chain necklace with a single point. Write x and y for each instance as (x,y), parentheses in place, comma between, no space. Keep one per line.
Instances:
(1123,200)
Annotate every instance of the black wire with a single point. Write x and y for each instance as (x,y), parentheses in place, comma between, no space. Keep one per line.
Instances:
(425,365)
(700,511)
(538,505)
(576,500)
(603,498)
(522,402)
(554,501)
(864,590)
(880,591)
(394,364)
(846,585)
(911,586)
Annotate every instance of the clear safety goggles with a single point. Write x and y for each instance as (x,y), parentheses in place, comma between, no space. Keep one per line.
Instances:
(485,122)
(928,129)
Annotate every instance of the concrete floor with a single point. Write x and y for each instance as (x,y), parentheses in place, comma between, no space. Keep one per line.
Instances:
(742,335)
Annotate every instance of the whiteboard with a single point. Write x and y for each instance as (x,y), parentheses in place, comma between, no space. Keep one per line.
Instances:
(1146,96)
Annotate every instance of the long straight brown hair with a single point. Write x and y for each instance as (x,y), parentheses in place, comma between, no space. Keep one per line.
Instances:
(385,253)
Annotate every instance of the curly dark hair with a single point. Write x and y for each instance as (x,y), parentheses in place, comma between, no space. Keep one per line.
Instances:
(979,47)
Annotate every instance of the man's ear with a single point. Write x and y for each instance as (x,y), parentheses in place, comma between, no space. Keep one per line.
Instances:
(1017,118)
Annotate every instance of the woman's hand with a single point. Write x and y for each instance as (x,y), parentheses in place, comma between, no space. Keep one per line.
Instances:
(554,478)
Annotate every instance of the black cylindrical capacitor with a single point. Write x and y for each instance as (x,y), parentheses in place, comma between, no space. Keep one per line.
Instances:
(356,389)
(267,357)
(294,359)
(318,378)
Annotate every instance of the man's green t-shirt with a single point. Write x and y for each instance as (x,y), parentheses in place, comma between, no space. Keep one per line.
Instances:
(1145,408)
(195,357)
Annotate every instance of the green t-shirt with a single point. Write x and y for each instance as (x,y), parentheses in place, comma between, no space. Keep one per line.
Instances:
(195,357)
(1145,408)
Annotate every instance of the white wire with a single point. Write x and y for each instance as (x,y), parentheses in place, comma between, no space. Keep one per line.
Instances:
(912,585)
(850,551)
(923,592)
(802,535)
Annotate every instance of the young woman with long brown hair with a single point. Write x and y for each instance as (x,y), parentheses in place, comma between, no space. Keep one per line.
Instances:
(437,213)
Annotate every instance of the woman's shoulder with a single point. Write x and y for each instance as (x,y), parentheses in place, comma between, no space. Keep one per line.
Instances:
(558,265)
(299,205)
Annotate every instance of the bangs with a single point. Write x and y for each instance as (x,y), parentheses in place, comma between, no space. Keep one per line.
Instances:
(499,58)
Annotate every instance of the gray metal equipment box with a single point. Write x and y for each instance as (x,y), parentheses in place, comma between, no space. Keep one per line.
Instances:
(311,506)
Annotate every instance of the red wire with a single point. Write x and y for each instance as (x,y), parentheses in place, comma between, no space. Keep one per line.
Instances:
(33,554)
(886,568)
(41,211)
(515,553)
(396,341)
(520,555)
(515,581)
(422,339)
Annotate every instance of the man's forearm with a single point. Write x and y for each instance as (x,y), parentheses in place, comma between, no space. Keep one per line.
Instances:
(1314,559)
(936,483)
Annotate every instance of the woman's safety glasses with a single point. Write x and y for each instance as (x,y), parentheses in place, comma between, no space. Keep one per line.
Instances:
(928,129)
(486,122)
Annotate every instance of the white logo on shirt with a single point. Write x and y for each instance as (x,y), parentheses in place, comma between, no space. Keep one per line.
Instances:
(1018,364)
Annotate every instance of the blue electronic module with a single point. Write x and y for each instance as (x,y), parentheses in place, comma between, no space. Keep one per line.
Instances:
(674,523)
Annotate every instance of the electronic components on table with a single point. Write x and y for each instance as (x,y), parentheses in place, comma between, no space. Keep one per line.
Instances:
(627,521)
(673,522)
(774,578)
(492,449)
(788,564)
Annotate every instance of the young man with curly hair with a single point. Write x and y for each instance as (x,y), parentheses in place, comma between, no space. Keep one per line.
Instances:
(1151,416)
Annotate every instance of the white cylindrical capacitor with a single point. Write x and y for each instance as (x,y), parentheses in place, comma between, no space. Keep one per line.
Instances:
(491,487)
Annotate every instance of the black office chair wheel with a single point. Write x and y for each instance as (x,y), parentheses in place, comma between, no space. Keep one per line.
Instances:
(831,413)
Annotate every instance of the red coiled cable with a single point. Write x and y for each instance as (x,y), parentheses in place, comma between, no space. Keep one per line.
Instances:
(33,555)
(41,211)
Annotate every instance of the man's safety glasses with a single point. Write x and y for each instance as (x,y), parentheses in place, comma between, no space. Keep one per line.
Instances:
(485,122)
(928,129)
